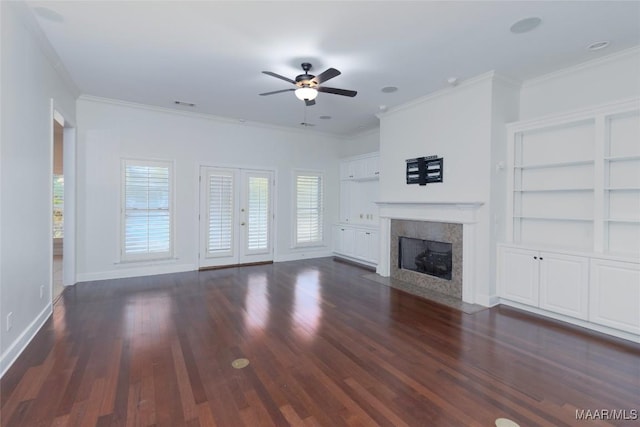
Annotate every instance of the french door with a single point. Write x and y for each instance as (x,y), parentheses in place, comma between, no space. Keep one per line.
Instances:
(236,216)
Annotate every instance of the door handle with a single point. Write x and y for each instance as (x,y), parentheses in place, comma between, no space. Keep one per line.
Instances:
(242,223)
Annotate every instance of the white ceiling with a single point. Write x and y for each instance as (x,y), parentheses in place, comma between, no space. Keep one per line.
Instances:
(211,53)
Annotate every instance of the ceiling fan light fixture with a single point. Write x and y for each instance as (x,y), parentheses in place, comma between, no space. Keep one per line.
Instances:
(306,93)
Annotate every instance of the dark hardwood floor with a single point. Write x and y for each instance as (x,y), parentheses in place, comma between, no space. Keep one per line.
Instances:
(326,348)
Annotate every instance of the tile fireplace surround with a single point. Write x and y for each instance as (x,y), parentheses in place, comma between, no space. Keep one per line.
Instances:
(428,230)
(455,220)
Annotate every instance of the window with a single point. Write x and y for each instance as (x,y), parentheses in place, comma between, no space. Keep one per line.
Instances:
(147,217)
(309,208)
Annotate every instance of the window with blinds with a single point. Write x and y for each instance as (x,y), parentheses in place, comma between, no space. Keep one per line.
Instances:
(147,216)
(220,213)
(309,208)
(258,213)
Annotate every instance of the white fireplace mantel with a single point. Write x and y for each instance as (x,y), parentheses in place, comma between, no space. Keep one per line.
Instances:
(439,211)
(461,212)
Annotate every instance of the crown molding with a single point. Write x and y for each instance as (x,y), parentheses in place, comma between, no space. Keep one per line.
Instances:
(30,22)
(583,66)
(205,116)
(586,113)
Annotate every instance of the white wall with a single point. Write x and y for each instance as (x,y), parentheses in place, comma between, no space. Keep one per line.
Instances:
(363,143)
(109,131)
(504,109)
(28,83)
(608,79)
(454,124)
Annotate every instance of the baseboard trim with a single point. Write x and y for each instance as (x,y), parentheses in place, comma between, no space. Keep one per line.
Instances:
(136,272)
(15,350)
(339,258)
(573,321)
(246,264)
(303,255)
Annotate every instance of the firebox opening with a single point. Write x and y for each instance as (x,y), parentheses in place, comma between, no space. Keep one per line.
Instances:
(426,257)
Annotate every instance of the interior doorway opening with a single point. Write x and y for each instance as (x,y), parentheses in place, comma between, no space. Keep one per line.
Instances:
(58,192)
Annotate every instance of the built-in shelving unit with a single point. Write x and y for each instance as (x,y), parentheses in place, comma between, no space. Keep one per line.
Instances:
(356,234)
(573,247)
(574,180)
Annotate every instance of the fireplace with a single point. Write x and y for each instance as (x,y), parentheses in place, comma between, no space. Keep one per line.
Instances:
(426,256)
(457,222)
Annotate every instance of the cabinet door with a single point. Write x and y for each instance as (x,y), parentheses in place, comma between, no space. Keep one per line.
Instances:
(344,170)
(564,284)
(361,244)
(357,169)
(519,275)
(372,169)
(347,237)
(373,247)
(614,299)
(345,201)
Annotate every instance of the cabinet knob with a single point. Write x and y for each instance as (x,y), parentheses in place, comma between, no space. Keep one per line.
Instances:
(541,258)
(368,234)
(535,257)
(377,173)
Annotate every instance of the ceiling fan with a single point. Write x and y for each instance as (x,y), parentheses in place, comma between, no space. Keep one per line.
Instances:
(309,85)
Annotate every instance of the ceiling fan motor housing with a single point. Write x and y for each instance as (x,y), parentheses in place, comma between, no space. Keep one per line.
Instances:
(305,80)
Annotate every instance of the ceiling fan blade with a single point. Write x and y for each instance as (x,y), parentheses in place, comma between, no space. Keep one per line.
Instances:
(343,92)
(309,103)
(276,91)
(326,75)
(278,76)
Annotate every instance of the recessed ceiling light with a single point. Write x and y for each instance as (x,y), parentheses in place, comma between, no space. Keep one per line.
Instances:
(452,81)
(184,104)
(389,89)
(525,25)
(325,117)
(598,45)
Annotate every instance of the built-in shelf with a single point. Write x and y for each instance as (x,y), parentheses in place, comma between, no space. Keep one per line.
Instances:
(620,220)
(622,188)
(622,158)
(555,164)
(551,190)
(549,218)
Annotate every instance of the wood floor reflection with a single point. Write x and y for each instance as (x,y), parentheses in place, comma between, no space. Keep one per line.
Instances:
(326,348)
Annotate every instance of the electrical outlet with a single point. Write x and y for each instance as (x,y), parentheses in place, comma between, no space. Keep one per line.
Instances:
(41,291)
(9,321)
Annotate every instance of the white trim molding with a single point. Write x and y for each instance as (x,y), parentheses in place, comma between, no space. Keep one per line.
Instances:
(18,346)
(462,212)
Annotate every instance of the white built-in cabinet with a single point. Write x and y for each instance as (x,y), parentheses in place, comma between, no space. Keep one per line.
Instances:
(615,294)
(356,234)
(551,281)
(573,217)
(357,242)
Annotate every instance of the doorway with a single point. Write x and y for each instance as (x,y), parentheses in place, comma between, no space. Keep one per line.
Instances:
(236,216)
(58,206)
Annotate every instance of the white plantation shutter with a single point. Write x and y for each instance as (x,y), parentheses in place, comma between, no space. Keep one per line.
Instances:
(309,208)
(220,213)
(258,213)
(147,210)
